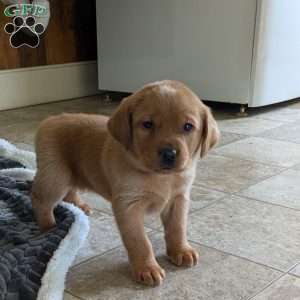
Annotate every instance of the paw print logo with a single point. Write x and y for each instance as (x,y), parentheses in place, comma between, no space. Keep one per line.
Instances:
(24,32)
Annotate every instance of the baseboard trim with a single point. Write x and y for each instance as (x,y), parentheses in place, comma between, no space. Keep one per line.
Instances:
(37,85)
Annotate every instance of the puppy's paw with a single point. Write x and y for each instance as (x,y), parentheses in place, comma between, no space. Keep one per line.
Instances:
(86,208)
(150,274)
(186,257)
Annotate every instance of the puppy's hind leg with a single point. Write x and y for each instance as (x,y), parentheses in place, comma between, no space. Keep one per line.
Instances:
(73,197)
(47,191)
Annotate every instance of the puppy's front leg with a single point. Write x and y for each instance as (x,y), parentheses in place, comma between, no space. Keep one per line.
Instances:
(174,218)
(130,221)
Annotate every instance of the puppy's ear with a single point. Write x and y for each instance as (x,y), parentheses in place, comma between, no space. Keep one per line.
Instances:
(210,132)
(120,123)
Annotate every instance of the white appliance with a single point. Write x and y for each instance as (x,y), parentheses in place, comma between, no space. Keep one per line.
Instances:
(238,51)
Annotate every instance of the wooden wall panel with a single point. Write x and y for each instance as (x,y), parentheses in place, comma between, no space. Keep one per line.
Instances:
(9,58)
(70,37)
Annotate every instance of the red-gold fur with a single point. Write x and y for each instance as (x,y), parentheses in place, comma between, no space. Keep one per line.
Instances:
(118,159)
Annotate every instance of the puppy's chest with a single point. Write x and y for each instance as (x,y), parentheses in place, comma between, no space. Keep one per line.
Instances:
(181,184)
(155,191)
(164,189)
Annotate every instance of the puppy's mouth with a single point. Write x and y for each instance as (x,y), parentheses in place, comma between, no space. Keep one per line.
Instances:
(168,170)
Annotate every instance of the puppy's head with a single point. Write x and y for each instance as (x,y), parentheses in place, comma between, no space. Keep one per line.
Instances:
(164,126)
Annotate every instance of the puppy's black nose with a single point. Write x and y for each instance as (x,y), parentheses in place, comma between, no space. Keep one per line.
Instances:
(167,157)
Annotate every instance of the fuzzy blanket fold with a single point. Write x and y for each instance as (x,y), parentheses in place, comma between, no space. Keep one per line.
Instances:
(32,265)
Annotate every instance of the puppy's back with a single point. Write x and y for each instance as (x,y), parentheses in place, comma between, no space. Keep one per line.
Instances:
(70,138)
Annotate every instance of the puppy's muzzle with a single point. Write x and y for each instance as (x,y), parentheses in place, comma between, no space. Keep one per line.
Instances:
(168,157)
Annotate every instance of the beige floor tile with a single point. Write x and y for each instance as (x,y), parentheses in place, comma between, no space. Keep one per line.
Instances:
(261,232)
(21,132)
(286,288)
(102,237)
(6,120)
(280,153)
(231,174)
(247,126)
(282,189)
(74,103)
(26,147)
(67,296)
(228,137)
(92,104)
(218,277)
(86,105)
(280,115)
(296,270)
(30,114)
(201,197)
(288,132)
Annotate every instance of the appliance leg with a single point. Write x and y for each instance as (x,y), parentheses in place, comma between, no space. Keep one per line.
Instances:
(243,111)
(107,98)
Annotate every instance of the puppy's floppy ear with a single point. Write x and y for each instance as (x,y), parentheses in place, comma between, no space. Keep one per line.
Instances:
(210,132)
(119,125)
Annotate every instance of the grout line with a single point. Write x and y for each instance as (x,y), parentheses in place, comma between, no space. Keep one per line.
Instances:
(266,286)
(282,273)
(242,137)
(160,230)
(294,266)
(151,231)
(199,185)
(294,275)
(94,257)
(275,280)
(236,256)
(278,139)
(73,295)
(99,210)
(269,203)
(206,206)
(283,169)
(248,160)
(284,122)
(257,134)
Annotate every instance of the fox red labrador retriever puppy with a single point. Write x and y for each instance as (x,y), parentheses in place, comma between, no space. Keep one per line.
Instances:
(142,159)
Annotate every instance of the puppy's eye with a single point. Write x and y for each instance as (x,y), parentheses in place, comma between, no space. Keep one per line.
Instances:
(187,127)
(148,124)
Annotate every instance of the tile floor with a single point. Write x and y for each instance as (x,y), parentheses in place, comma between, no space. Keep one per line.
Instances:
(244,217)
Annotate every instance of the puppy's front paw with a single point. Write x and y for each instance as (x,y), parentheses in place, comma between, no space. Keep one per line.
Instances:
(86,208)
(150,274)
(187,257)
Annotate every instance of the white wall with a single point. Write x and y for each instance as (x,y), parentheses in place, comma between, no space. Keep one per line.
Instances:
(29,86)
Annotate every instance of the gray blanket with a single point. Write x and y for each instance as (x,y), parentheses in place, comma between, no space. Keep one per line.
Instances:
(24,251)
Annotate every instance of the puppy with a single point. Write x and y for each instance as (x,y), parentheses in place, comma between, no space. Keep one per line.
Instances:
(142,160)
